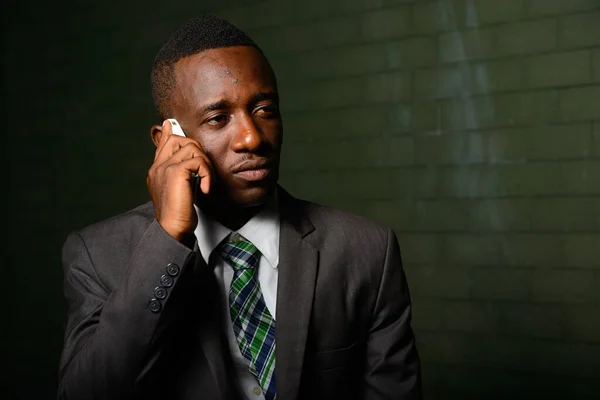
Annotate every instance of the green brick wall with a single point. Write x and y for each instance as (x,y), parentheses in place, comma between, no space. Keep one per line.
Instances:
(471,127)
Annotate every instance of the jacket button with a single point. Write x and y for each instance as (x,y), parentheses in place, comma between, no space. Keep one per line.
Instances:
(166,281)
(155,306)
(173,269)
(160,293)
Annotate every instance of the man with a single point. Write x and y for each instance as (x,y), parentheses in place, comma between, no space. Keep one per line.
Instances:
(224,286)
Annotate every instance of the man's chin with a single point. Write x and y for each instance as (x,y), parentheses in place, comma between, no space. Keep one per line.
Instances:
(252,197)
(240,198)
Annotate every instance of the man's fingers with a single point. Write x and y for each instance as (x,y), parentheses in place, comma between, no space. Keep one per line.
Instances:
(201,167)
(188,150)
(171,145)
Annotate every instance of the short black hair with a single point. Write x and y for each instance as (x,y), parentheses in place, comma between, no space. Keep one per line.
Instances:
(199,34)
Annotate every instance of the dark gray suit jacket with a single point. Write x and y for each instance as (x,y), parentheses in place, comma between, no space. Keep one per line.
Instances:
(343,313)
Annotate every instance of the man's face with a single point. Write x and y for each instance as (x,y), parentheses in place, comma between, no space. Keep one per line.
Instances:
(227,100)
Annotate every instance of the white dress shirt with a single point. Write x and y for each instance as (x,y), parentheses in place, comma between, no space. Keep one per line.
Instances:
(263,231)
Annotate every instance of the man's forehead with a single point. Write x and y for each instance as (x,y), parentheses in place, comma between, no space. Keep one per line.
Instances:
(224,74)
(242,58)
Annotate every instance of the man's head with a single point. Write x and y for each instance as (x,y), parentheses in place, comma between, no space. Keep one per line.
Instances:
(217,83)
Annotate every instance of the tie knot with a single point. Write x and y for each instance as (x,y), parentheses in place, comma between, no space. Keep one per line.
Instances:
(240,252)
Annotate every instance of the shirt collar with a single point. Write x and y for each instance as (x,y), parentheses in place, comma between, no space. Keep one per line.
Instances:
(262,230)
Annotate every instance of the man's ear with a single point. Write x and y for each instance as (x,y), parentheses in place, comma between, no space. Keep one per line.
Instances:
(156,134)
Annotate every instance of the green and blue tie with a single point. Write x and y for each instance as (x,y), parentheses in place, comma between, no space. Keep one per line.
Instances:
(253,325)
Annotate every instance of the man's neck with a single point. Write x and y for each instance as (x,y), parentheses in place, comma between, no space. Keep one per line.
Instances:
(230,216)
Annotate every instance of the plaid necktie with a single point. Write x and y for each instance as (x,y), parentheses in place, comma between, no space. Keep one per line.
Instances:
(253,325)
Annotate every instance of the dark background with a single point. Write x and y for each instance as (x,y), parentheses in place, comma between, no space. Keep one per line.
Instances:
(471,127)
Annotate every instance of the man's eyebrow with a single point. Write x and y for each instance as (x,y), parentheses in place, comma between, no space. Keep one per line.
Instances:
(213,106)
(260,96)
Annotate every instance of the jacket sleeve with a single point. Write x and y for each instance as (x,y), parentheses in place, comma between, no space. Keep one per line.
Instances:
(107,346)
(393,366)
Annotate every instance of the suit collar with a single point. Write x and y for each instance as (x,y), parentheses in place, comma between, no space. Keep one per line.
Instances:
(295,291)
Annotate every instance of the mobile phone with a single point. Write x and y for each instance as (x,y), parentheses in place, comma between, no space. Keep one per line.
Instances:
(177,130)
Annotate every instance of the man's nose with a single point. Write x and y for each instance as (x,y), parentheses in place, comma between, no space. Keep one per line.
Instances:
(248,136)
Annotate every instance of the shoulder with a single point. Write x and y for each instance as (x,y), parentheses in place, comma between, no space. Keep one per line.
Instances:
(344,231)
(120,229)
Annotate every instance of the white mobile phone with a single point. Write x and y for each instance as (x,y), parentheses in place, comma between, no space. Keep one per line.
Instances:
(176,127)
(177,130)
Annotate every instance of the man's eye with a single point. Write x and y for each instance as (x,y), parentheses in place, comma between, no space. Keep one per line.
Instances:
(268,110)
(217,119)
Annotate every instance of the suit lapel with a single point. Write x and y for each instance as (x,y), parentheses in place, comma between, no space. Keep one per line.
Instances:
(298,262)
(213,342)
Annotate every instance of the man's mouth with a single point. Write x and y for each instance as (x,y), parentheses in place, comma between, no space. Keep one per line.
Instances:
(253,170)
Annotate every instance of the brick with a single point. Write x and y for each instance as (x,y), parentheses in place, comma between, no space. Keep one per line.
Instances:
(451,149)
(422,117)
(352,154)
(387,23)
(442,346)
(583,324)
(583,250)
(578,104)
(328,124)
(596,139)
(335,93)
(482,12)
(501,284)
(398,151)
(290,39)
(500,110)
(366,58)
(478,182)
(469,113)
(493,351)
(441,215)
(527,37)
(596,65)
(579,30)
(402,182)
(437,16)
(533,249)
(564,178)
(426,312)
(469,79)
(559,69)
(558,142)
(439,282)
(337,32)
(287,39)
(391,213)
(531,321)
(557,357)
(472,249)
(564,287)
(435,84)
(301,184)
(495,76)
(419,248)
(413,52)
(472,148)
(358,185)
(470,316)
(425,183)
(557,7)
(388,87)
(467,45)
(506,145)
(342,61)
(499,215)
(566,215)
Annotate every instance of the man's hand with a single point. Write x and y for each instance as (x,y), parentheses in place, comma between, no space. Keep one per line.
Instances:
(170,179)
